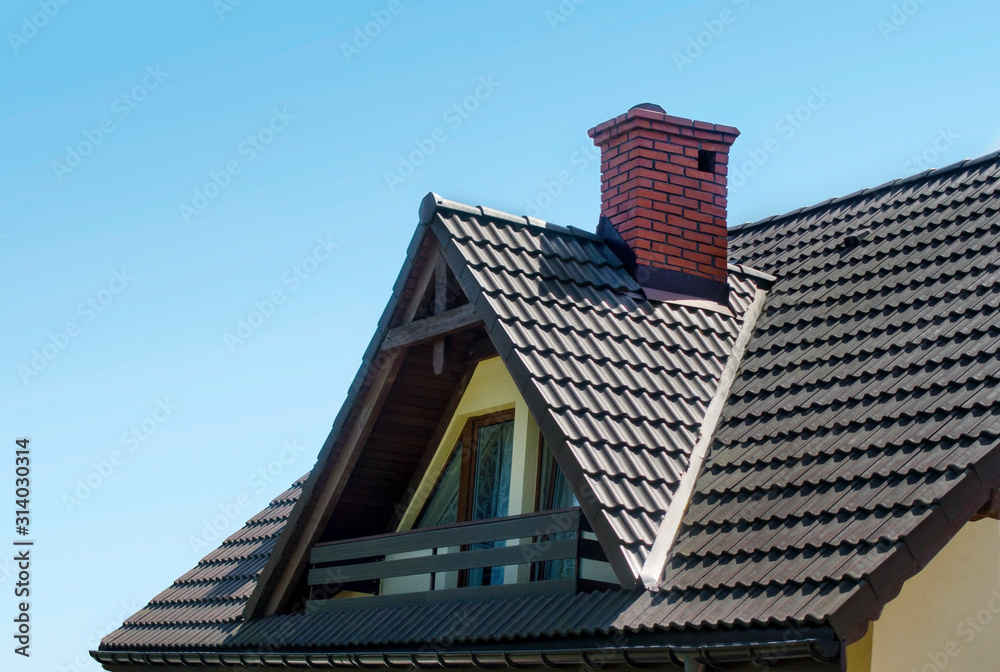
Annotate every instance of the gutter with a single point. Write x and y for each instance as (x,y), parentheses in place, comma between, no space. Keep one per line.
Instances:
(764,653)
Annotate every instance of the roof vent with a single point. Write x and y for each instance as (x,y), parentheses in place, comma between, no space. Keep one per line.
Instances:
(853,239)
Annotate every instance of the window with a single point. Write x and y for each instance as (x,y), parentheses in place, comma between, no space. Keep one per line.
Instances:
(553,488)
(442,505)
(553,493)
(475,484)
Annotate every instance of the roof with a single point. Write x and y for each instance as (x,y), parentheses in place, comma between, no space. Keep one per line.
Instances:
(618,384)
(205,606)
(861,433)
(864,429)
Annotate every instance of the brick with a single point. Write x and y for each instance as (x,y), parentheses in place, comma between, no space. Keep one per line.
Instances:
(683,201)
(667,250)
(713,229)
(632,164)
(668,188)
(649,154)
(665,167)
(711,271)
(663,206)
(712,251)
(651,194)
(712,209)
(684,264)
(678,241)
(698,257)
(696,215)
(684,161)
(670,147)
(685,182)
(713,188)
(699,195)
(697,237)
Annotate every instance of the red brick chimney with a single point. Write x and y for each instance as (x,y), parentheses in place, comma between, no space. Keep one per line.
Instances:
(663,199)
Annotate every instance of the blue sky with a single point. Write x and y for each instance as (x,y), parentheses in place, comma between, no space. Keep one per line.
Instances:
(170,167)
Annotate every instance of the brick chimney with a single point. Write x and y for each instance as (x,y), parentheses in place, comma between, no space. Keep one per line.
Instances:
(663,199)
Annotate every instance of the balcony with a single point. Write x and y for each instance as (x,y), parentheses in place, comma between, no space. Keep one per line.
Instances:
(500,558)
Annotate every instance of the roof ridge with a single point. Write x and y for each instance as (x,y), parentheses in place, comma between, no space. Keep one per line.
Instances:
(885,186)
(433,202)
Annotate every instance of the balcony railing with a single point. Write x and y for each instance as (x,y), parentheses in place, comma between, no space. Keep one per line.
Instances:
(442,560)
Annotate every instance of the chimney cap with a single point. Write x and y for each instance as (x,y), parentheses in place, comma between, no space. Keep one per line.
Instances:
(648,106)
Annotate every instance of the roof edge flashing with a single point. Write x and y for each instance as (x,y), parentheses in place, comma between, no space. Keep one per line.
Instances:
(652,570)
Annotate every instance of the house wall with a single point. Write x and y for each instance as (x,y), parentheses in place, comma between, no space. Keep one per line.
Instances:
(947,617)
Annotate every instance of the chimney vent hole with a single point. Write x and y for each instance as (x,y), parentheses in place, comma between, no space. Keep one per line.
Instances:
(706,161)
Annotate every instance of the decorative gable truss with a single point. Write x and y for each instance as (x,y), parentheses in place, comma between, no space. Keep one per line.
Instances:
(618,385)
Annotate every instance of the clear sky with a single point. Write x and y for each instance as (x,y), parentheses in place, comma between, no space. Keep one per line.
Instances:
(169,165)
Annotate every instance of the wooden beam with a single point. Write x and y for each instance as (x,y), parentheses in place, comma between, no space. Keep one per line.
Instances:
(294,559)
(423,282)
(440,306)
(430,328)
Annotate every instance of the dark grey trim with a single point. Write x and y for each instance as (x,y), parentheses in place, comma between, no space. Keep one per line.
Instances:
(508,591)
(768,652)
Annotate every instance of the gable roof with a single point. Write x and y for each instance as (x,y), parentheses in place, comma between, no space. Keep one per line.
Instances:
(863,431)
(618,384)
(865,427)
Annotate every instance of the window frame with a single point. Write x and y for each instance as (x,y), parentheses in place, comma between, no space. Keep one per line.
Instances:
(467,443)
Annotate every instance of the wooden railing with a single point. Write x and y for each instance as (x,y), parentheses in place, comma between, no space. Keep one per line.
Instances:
(533,539)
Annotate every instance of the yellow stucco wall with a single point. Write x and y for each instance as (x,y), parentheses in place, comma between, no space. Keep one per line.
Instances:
(947,617)
(490,389)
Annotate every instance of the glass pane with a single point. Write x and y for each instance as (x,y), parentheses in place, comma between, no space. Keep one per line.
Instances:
(494,446)
(491,488)
(442,506)
(554,493)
